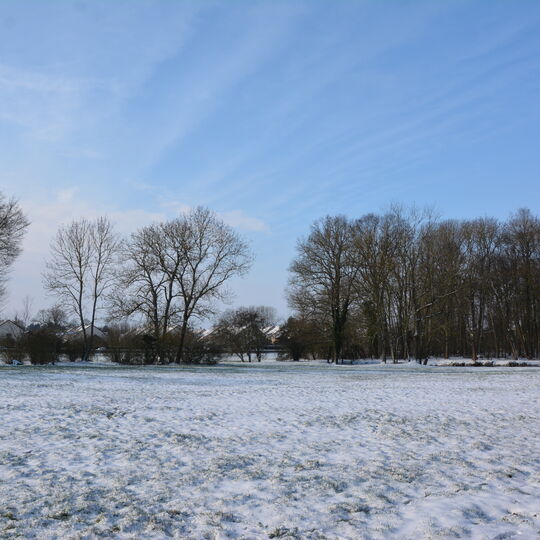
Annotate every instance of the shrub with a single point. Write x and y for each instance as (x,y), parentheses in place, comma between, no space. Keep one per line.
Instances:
(41,346)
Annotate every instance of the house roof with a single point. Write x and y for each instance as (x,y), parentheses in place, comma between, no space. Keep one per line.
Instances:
(78,329)
(272,330)
(6,321)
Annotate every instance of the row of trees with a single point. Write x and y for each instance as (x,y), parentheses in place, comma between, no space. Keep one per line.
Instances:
(163,276)
(242,332)
(405,284)
(13,225)
(399,285)
(157,282)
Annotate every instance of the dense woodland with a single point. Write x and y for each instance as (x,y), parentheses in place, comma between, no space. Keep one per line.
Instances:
(405,284)
(399,285)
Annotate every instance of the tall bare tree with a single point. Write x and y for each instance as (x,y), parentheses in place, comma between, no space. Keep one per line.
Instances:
(146,283)
(481,238)
(521,239)
(13,226)
(211,253)
(376,246)
(67,270)
(324,276)
(175,272)
(104,249)
(80,270)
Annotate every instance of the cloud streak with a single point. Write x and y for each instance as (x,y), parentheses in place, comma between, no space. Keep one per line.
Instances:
(270,113)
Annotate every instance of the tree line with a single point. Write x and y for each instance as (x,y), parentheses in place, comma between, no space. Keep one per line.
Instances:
(405,284)
(398,285)
(165,276)
(13,225)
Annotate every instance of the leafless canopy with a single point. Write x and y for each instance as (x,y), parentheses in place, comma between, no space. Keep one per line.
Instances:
(405,284)
(13,225)
(242,330)
(324,276)
(176,271)
(80,269)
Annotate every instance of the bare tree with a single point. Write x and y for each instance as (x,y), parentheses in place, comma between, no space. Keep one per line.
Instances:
(324,276)
(211,253)
(448,274)
(67,271)
(521,240)
(175,271)
(80,270)
(146,283)
(481,238)
(13,225)
(242,330)
(375,241)
(104,249)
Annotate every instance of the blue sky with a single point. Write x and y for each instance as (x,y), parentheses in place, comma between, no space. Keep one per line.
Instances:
(271,113)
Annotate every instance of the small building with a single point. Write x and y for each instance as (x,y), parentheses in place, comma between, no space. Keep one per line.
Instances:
(272,333)
(10,329)
(76,334)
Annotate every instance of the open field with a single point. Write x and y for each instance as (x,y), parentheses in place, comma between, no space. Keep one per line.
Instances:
(271,450)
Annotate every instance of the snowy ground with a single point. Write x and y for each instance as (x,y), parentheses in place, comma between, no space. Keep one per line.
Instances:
(275,450)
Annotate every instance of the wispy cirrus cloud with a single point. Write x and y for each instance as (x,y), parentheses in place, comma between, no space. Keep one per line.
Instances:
(240,220)
(86,77)
(43,106)
(270,113)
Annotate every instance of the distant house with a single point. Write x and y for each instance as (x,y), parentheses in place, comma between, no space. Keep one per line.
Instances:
(10,329)
(272,333)
(75,334)
(206,333)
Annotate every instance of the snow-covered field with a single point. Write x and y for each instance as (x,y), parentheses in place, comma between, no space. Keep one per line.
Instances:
(271,450)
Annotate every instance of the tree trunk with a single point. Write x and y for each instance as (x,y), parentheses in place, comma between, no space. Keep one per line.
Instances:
(181,343)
